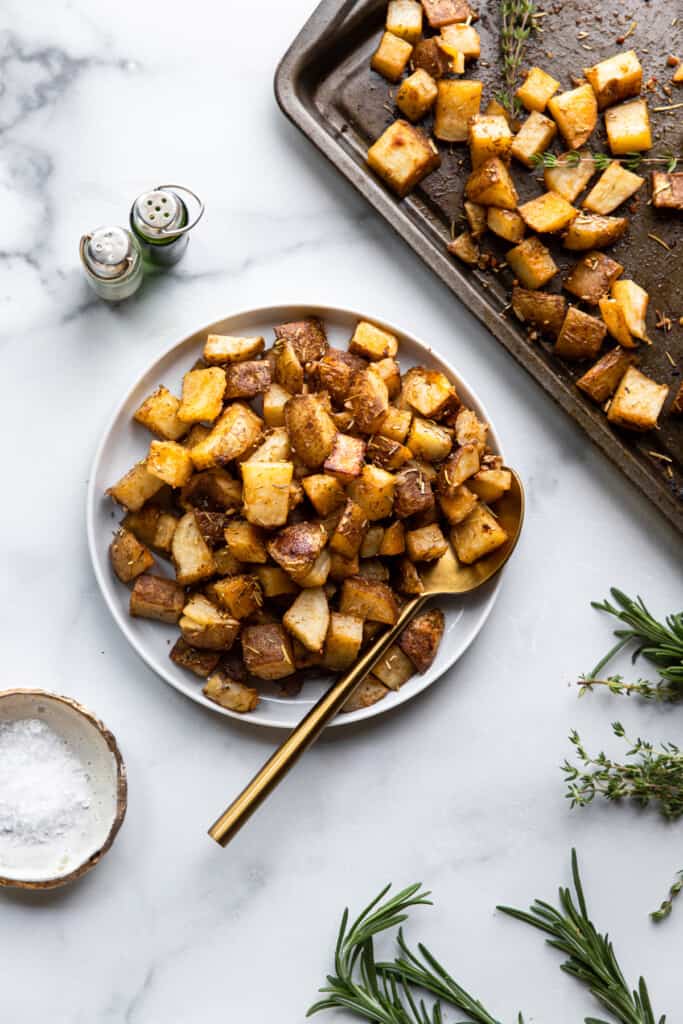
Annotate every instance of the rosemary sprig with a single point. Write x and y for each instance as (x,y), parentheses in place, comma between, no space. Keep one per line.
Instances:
(517,24)
(632,161)
(652,777)
(590,954)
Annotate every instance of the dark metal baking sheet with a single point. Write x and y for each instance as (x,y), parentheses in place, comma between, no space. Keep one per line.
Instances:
(325,86)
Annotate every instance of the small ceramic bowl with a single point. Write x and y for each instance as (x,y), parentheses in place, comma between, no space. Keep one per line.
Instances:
(46,866)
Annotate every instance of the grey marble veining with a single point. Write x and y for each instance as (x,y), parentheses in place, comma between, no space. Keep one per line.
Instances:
(460,789)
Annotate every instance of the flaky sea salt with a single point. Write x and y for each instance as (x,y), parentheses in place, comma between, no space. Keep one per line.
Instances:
(45,793)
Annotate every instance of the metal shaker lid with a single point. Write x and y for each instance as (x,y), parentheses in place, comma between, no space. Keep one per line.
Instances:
(157,213)
(107,252)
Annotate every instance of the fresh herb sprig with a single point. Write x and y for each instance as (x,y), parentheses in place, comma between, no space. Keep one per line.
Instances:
(517,24)
(660,692)
(632,161)
(590,954)
(666,905)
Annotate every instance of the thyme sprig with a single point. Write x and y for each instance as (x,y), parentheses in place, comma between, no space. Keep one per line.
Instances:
(590,954)
(660,692)
(652,776)
(632,161)
(666,905)
(517,24)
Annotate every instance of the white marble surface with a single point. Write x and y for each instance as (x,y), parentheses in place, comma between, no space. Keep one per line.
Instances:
(462,788)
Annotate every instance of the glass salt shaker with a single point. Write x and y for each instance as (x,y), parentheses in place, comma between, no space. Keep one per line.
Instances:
(161,222)
(112,260)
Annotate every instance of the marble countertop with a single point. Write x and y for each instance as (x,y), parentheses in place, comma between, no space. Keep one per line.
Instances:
(460,789)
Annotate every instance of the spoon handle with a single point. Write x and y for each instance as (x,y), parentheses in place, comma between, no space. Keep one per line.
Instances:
(307,731)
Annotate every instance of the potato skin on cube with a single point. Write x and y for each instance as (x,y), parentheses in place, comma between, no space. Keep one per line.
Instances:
(540,310)
(222,348)
(296,548)
(602,380)
(637,402)
(288,370)
(240,595)
(245,542)
(234,433)
(201,663)
(345,461)
(247,379)
(230,693)
(129,558)
(159,413)
(394,668)
(206,627)
(421,638)
(267,651)
(531,263)
(667,189)
(307,337)
(412,492)
(492,185)
(592,277)
(368,599)
(350,530)
(402,156)
(202,395)
(156,597)
(368,400)
(369,692)
(391,57)
(461,465)
(478,535)
(212,490)
(581,336)
(311,430)
(456,103)
(447,12)
(591,231)
(576,114)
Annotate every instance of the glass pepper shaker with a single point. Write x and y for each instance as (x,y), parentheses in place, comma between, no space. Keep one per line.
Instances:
(161,222)
(112,260)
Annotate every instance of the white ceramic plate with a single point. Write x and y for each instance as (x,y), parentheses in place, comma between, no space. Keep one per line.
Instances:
(125,442)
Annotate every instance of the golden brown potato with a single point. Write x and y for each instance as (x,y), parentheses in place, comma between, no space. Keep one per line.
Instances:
(465,248)
(296,548)
(288,371)
(319,571)
(476,218)
(429,392)
(440,13)
(274,401)
(416,95)
(540,310)
(461,41)
(135,487)
(412,492)
(213,490)
(570,174)
(576,114)
(403,156)
(677,404)
(311,430)
(335,371)
(239,595)
(395,424)
(373,490)
(368,599)
(159,413)
(267,651)
(155,597)
(589,231)
(201,663)
(634,301)
(428,440)
(612,312)
(592,277)
(343,641)
(478,535)
(393,540)
(371,342)
(170,462)
(230,693)
(603,378)
(491,185)
(152,526)
(536,89)
(275,447)
(247,379)
(370,690)
(191,555)
(534,137)
(245,542)
(489,135)
(350,531)
(307,337)
(425,544)
(368,400)
(667,189)
(638,401)
(421,638)
(267,492)
(324,492)
(581,336)
(391,57)
(226,563)
(129,558)
(345,461)
(222,348)
(387,454)
(394,668)
(506,224)
(547,213)
(613,187)
(202,395)
(490,484)
(308,618)
(469,429)
(458,505)
(461,465)
(628,128)
(234,433)
(341,568)
(206,627)
(274,581)
(456,103)
(616,78)
(531,263)
(408,579)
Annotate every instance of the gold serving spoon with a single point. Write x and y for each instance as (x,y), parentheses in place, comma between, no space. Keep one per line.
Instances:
(447,576)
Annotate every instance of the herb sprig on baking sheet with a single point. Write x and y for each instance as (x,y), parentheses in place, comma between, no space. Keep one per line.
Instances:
(518,21)
(590,954)
(632,161)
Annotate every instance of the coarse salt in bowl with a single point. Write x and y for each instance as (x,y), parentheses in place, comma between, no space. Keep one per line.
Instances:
(62,789)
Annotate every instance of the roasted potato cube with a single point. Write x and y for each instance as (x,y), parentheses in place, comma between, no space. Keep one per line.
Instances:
(616,78)
(267,651)
(274,401)
(335,372)
(461,465)
(667,189)
(191,554)
(202,663)
(393,541)
(387,454)
(206,627)
(345,461)
(592,277)
(427,440)
(491,484)
(536,89)
(274,581)
(350,531)
(390,372)
(571,174)
(341,568)
(628,127)
(465,248)
(429,56)
(197,432)
(456,103)
(408,580)
(581,336)
(412,492)
(404,19)
(395,424)
(394,668)
(368,599)
(429,392)
(638,401)
(223,348)
(247,379)
(274,448)
(155,597)
(214,490)
(308,618)
(531,263)
(492,185)
(469,429)
(447,12)
(391,57)
(234,433)
(576,114)
(461,39)
(288,371)
(226,563)
(612,188)
(324,492)
(230,693)
(506,224)
(211,525)
(373,490)
(540,310)
(266,492)
(478,535)
(159,413)
(534,137)
(368,400)
(421,638)
(202,395)
(371,542)
(152,527)
(307,338)
(590,231)
(319,571)
(170,462)
(296,547)
(245,542)
(634,302)
(547,213)
(372,342)
(370,690)
(311,430)
(603,378)
(416,95)
(458,505)
(129,558)
(135,487)
(342,643)
(426,544)
(612,312)
(476,218)
(402,156)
